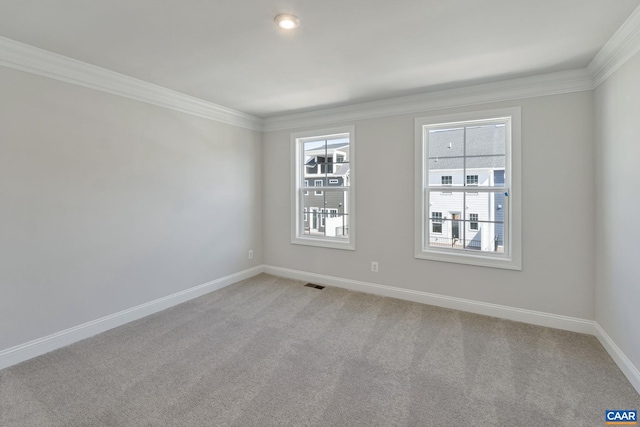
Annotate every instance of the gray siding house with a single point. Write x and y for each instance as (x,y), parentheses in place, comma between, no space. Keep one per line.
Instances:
(326,176)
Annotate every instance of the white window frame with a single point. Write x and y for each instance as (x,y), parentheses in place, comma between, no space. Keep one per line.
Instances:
(315,184)
(512,256)
(297,179)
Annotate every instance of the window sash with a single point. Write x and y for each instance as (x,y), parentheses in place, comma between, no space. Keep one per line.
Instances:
(302,146)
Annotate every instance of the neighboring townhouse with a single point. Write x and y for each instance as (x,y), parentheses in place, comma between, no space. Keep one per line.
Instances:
(467,158)
(325,202)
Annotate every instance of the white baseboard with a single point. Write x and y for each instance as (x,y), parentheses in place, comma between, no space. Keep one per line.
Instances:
(22,352)
(501,311)
(626,366)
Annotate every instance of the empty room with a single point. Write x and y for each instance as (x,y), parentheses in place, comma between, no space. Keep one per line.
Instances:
(294,213)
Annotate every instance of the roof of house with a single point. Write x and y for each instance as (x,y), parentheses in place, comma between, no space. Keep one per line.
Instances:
(330,148)
(311,160)
(484,147)
(343,169)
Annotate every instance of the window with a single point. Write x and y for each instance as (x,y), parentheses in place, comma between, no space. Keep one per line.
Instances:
(324,214)
(315,221)
(473,221)
(306,192)
(305,214)
(436,222)
(326,158)
(479,226)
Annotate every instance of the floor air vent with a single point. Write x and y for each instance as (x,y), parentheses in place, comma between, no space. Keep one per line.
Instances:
(314,286)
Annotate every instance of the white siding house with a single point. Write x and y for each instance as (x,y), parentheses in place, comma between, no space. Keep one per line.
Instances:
(467,157)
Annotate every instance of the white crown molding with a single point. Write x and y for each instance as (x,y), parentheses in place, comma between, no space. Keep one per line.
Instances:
(624,44)
(527,87)
(37,347)
(33,60)
(626,366)
(501,311)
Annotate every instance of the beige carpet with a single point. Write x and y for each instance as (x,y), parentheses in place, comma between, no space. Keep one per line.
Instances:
(269,352)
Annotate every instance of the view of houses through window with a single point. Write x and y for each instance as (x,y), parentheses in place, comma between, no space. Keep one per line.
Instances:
(461,156)
(326,165)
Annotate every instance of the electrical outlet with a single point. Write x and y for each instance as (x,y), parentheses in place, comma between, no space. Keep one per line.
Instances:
(374,266)
(250,253)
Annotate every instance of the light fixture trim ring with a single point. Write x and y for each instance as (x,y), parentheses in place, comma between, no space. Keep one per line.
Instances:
(287,21)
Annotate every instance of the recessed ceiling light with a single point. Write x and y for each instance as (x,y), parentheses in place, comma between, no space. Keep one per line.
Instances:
(286,21)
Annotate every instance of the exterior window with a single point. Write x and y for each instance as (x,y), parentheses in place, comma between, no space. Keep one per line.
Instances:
(325,158)
(480,150)
(473,221)
(436,222)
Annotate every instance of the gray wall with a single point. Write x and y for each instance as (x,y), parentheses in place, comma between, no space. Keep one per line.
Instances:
(558,213)
(107,203)
(618,205)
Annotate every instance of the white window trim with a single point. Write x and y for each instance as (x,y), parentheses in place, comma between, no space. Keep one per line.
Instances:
(315,185)
(513,230)
(297,203)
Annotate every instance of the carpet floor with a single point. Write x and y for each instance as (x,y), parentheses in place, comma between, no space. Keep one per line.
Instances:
(268,351)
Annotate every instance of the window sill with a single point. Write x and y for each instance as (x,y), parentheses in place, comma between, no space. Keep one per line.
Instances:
(324,243)
(465,257)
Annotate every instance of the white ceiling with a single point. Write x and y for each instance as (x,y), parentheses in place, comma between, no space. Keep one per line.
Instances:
(231,53)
